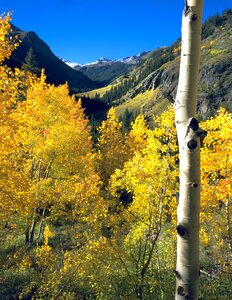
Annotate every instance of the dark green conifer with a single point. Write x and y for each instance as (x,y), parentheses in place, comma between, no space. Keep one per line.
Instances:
(31,64)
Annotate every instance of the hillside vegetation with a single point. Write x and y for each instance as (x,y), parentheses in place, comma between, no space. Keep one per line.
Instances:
(105,73)
(159,71)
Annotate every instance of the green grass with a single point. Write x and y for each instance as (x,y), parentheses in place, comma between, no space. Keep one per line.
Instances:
(160,106)
(100,92)
(217,51)
(146,103)
(137,103)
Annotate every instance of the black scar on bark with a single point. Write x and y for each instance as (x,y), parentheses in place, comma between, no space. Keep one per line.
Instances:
(177,274)
(195,185)
(180,291)
(194,125)
(181,230)
(192,144)
(193,17)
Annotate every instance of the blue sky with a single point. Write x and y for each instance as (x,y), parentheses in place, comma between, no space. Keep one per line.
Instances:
(85,30)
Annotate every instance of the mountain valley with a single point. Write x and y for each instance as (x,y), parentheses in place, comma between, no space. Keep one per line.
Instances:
(152,84)
(143,83)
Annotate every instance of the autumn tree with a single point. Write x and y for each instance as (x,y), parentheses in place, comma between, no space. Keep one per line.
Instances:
(216,209)
(143,191)
(13,183)
(151,180)
(60,162)
(137,138)
(110,139)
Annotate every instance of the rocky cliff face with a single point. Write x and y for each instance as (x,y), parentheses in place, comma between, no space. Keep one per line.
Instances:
(215,86)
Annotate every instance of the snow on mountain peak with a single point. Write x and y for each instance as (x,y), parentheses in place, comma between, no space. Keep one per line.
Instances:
(129,60)
(103,59)
(70,63)
(132,58)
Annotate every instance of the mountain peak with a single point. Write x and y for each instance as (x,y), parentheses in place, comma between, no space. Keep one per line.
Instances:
(70,63)
(103,59)
(133,58)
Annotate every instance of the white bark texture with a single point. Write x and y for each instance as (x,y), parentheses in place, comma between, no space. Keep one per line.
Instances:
(187,267)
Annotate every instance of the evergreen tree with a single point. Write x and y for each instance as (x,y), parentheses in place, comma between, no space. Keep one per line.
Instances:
(31,64)
(127,118)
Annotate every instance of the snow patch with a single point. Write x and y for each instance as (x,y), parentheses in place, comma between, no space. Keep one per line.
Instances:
(103,60)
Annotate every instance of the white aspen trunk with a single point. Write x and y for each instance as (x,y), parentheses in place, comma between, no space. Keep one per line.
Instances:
(187,267)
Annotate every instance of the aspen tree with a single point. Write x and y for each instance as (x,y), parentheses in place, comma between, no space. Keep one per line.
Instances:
(187,268)
(110,141)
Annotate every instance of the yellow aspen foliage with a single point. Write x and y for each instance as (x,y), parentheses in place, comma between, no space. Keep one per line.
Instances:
(7,40)
(129,252)
(150,179)
(46,156)
(13,183)
(137,137)
(25,263)
(110,142)
(47,235)
(56,141)
(216,164)
(150,175)
(44,253)
(165,131)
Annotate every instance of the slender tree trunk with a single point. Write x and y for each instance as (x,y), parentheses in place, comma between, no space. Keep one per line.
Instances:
(228,221)
(187,268)
(40,227)
(32,230)
(27,239)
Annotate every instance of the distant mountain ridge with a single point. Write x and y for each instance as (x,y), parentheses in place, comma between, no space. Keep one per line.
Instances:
(57,72)
(133,59)
(105,70)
